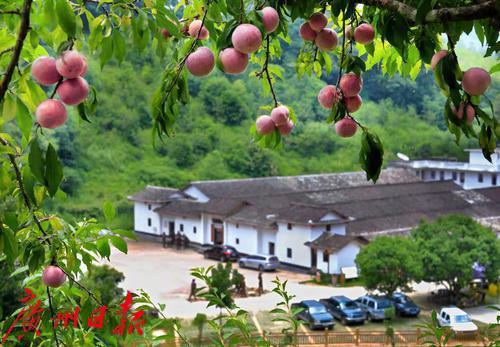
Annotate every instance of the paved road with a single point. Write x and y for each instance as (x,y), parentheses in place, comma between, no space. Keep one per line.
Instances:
(483,314)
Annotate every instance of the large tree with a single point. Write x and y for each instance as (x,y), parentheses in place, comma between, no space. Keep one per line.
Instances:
(449,247)
(389,263)
(408,33)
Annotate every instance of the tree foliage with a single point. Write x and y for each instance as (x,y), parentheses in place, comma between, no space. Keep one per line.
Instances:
(389,263)
(449,247)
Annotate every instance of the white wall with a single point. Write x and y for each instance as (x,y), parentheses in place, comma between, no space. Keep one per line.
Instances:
(477,158)
(294,239)
(143,212)
(346,257)
(189,223)
(196,194)
(472,180)
(266,236)
(245,234)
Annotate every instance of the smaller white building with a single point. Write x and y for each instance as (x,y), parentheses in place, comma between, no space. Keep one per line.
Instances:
(477,173)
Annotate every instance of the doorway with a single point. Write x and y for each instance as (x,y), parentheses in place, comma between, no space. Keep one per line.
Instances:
(171,229)
(314,259)
(271,248)
(217,232)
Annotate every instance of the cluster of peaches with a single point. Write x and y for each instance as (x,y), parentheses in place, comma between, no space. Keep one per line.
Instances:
(67,72)
(475,82)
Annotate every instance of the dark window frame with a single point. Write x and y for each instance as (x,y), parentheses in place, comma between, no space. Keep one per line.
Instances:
(289,252)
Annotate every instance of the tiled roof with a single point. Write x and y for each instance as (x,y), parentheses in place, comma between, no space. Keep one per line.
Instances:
(334,242)
(153,194)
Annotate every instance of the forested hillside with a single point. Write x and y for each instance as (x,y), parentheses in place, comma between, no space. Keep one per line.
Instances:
(114,156)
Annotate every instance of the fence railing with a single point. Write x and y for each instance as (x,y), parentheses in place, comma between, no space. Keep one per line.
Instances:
(355,337)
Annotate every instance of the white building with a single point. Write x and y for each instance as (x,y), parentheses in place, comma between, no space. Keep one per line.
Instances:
(311,222)
(477,173)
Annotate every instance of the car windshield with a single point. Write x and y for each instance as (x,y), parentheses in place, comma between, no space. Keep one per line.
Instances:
(384,304)
(404,300)
(317,309)
(273,259)
(462,319)
(349,305)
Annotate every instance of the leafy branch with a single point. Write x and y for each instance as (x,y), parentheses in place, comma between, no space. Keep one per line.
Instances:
(52,314)
(265,71)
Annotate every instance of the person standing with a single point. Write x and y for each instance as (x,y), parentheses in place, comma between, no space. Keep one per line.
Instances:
(261,284)
(192,293)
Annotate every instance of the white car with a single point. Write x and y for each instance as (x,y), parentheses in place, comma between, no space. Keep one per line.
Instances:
(457,320)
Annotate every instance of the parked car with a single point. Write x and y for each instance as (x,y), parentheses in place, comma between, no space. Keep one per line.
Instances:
(315,314)
(259,262)
(374,306)
(222,253)
(344,309)
(457,320)
(404,305)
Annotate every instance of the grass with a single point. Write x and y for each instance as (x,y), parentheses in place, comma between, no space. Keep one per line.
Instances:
(326,281)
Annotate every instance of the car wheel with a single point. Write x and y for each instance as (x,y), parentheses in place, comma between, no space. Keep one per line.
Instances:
(369,317)
(343,321)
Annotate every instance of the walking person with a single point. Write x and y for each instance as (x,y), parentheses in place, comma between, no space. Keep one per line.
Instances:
(192,293)
(261,284)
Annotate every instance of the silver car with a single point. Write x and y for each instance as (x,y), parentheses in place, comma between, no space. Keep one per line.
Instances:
(260,262)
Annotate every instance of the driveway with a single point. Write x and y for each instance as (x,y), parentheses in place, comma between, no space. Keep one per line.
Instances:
(165,275)
(483,314)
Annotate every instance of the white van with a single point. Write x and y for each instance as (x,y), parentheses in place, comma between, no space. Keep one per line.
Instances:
(457,320)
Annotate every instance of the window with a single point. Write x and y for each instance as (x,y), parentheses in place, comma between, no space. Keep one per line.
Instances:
(326,257)
(237,241)
(182,227)
(194,230)
(454,176)
(371,304)
(422,174)
(493,180)
(149,222)
(462,177)
(417,172)
(433,174)
(328,227)
(237,226)
(441,175)
(480,178)
(288,252)
(289,226)
(149,207)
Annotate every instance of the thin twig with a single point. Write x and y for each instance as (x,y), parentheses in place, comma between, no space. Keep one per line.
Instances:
(16,12)
(23,31)
(52,316)
(343,49)
(265,70)
(55,88)
(6,50)
(82,287)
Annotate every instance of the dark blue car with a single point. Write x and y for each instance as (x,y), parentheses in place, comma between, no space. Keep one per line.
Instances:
(404,305)
(344,309)
(314,314)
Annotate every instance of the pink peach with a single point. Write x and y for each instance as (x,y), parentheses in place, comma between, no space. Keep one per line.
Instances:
(326,40)
(318,21)
(265,125)
(246,38)
(476,81)
(53,276)
(469,112)
(44,71)
(328,96)
(73,91)
(51,114)
(287,128)
(349,32)
(165,33)
(346,127)
(196,27)
(233,62)
(364,34)
(307,33)
(437,57)
(70,64)
(351,84)
(353,103)
(270,19)
(280,115)
(201,62)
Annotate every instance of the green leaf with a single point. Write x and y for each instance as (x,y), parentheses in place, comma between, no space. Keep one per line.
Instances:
(66,17)
(127,233)
(9,108)
(109,211)
(118,46)
(371,155)
(424,7)
(24,119)
(10,244)
(18,271)
(106,50)
(53,171)
(119,243)
(103,247)
(36,161)
(495,68)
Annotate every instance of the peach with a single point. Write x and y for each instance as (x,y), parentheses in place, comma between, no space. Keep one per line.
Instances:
(326,39)
(364,34)
(44,71)
(437,57)
(51,114)
(73,91)
(270,19)
(287,128)
(469,112)
(70,64)
(307,33)
(353,103)
(265,125)
(53,276)
(318,21)
(166,34)
(233,62)
(280,115)
(246,38)
(346,127)
(201,62)
(196,27)
(85,67)
(476,81)
(328,96)
(351,84)
(349,32)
